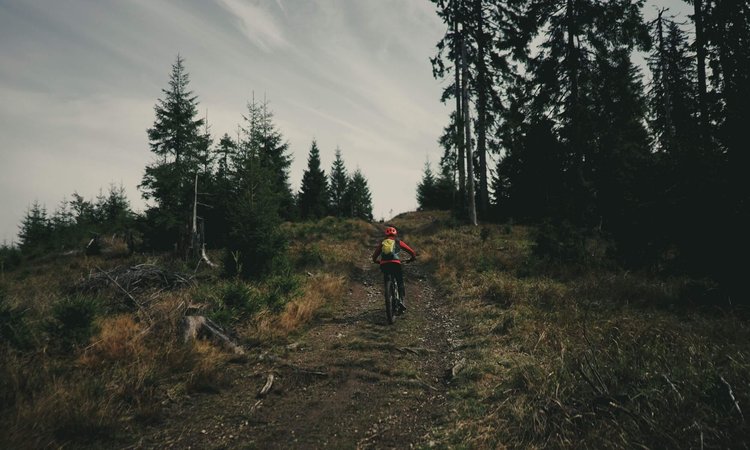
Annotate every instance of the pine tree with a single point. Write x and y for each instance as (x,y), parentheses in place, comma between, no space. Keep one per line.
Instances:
(274,157)
(426,188)
(673,99)
(620,165)
(313,197)
(256,246)
(223,192)
(575,32)
(177,142)
(338,182)
(358,198)
(35,230)
(116,212)
(482,40)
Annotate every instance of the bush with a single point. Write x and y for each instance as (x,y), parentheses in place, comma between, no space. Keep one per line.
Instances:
(10,258)
(309,255)
(240,297)
(281,289)
(13,327)
(235,300)
(72,321)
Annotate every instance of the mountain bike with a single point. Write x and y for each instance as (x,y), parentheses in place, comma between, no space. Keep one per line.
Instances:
(392,298)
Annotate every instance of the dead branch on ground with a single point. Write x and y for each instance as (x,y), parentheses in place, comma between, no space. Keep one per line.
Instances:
(196,326)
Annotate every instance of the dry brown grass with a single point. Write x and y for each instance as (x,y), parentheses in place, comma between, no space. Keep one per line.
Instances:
(53,398)
(120,338)
(593,358)
(319,290)
(136,359)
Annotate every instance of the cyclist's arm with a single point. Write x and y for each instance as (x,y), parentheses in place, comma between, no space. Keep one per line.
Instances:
(375,254)
(408,249)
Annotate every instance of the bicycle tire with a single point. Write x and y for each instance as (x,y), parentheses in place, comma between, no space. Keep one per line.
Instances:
(390,310)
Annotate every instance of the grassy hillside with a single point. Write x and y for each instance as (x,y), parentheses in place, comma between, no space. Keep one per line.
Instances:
(553,355)
(81,362)
(584,357)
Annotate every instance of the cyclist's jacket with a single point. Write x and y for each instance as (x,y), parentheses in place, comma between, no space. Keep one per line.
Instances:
(389,251)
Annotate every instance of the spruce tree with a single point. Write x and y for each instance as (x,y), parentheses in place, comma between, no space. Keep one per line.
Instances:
(426,188)
(176,140)
(35,230)
(338,182)
(358,198)
(256,246)
(275,158)
(313,197)
(561,76)
(223,193)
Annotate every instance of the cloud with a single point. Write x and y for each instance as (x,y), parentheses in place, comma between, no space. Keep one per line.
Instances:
(257,24)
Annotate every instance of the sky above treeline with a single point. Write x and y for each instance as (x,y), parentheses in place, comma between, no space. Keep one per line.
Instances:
(79,81)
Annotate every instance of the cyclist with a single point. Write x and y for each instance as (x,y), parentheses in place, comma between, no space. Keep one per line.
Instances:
(390,263)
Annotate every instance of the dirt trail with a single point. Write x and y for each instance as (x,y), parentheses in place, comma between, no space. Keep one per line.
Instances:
(349,381)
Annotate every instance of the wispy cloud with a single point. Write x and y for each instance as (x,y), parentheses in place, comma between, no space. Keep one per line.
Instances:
(257,24)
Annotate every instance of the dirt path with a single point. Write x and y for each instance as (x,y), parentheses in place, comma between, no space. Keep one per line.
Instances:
(349,381)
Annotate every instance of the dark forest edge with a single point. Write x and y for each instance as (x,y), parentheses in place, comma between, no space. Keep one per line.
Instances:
(585,149)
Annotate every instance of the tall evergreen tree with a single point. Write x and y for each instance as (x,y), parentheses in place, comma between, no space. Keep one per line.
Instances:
(483,39)
(358,198)
(223,193)
(313,197)
(575,33)
(673,103)
(722,44)
(275,157)
(176,140)
(620,166)
(35,229)
(426,188)
(338,183)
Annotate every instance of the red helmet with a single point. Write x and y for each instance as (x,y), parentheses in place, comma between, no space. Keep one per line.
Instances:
(390,231)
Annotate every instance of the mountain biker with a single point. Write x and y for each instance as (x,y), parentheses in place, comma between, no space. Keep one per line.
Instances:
(390,263)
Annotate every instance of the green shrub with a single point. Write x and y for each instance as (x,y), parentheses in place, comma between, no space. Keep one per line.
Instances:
(236,299)
(72,321)
(13,327)
(281,289)
(10,258)
(560,241)
(240,297)
(309,256)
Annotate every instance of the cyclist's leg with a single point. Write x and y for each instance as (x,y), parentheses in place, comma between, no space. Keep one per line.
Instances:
(399,273)
(384,269)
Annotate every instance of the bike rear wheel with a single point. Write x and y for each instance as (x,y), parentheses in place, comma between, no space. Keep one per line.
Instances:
(391,298)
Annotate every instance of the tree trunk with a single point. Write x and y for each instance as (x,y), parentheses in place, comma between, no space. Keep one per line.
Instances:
(700,53)
(482,87)
(467,128)
(459,112)
(573,79)
(194,229)
(665,81)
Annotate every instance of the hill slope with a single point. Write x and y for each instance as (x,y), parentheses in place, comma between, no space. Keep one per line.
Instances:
(498,349)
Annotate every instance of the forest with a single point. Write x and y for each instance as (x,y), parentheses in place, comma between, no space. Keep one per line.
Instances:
(587,143)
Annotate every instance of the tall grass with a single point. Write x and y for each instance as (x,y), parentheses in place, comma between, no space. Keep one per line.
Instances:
(586,356)
(77,369)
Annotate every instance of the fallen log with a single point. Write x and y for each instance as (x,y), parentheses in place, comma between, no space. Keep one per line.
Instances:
(196,326)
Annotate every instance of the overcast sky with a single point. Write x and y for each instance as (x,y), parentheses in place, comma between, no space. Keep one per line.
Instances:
(79,80)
